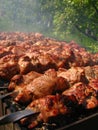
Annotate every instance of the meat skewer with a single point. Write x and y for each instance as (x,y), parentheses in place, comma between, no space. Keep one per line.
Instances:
(13,117)
(42,55)
(72,75)
(44,85)
(53,105)
(77,81)
(49,106)
(2,88)
(80,94)
(10,94)
(84,94)
(50,82)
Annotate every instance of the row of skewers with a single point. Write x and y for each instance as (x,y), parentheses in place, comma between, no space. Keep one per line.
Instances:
(49,78)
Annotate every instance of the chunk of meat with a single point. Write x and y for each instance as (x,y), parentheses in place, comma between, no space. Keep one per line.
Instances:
(83,94)
(91,72)
(42,86)
(39,54)
(18,81)
(73,75)
(48,106)
(25,64)
(8,66)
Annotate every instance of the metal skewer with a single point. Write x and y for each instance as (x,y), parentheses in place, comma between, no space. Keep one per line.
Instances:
(14,93)
(2,88)
(13,117)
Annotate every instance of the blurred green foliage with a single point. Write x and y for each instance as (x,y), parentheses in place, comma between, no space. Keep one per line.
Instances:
(61,19)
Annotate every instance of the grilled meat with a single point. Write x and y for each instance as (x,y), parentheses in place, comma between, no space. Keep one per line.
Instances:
(48,106)
(14,38)
(39,68)
(41,86)
(8,66)
(80,57)
(25,65)
(91,72)
(84,94)
(19,81)
(73,75)
(80,94)
(37,53)
(79,74)
(51,82)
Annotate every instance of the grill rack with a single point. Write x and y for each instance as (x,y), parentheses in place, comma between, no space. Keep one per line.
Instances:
(86,120)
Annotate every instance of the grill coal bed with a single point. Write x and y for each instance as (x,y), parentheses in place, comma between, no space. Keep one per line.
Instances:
(81,120)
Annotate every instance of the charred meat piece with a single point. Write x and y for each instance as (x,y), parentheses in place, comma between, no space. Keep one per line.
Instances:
(94,84)
(42,86)
(19,80)
(48,106)
(83,94)
(80,56)
(79,74)
(25,64)
(4,52)
(61,53)
(18,50)
(91,72)
(9,66)
(42,62)
(73,75)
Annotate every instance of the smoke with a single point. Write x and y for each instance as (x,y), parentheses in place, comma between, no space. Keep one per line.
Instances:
(20,15)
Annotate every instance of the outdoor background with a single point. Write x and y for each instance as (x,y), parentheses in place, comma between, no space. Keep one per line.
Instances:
(61,19)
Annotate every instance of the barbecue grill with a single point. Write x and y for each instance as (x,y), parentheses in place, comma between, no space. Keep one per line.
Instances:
(86,122)
(83,119)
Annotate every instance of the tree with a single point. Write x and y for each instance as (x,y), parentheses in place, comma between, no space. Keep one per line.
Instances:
(20,15)
(68,15)
(57,17)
